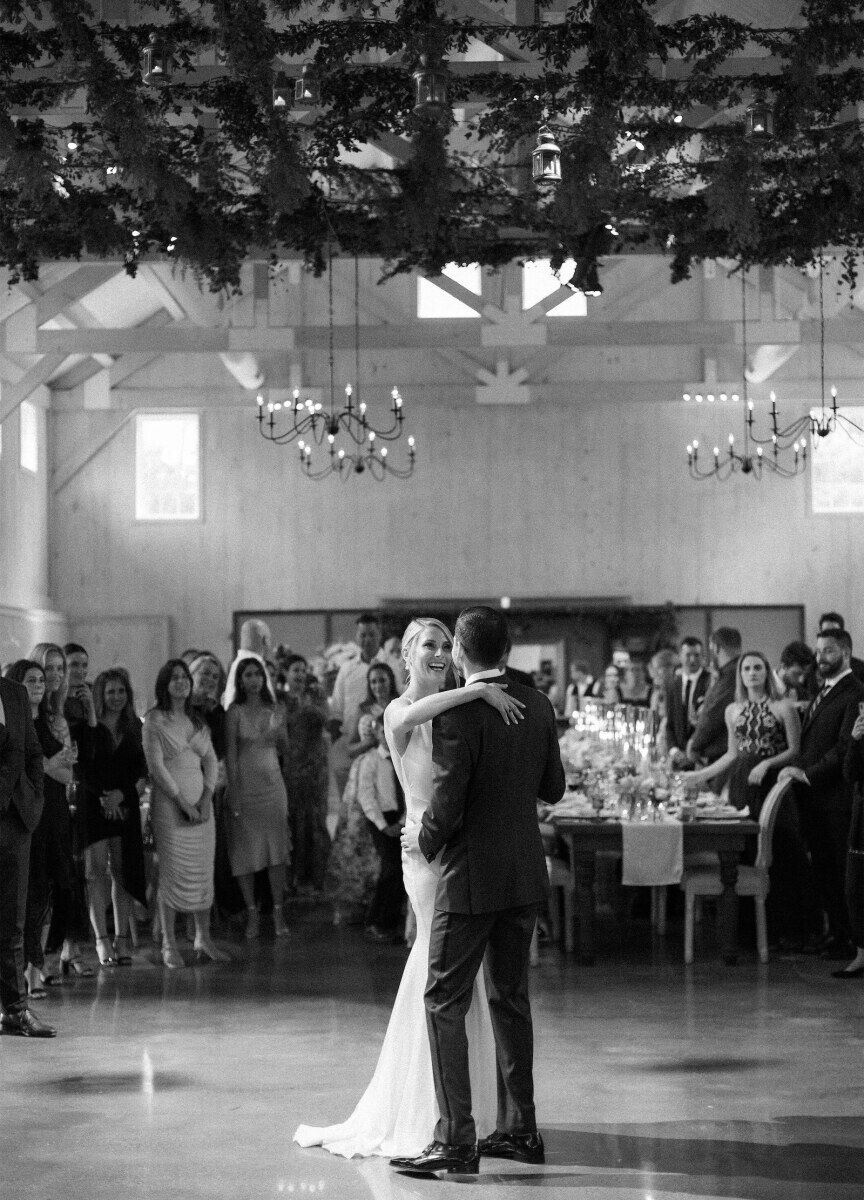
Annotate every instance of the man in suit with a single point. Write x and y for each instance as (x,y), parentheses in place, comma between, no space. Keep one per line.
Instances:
(20,810)
(487,778)
(684,697)
(823,797)
(710,739)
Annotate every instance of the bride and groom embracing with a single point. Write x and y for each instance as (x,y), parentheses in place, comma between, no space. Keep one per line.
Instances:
(472,762)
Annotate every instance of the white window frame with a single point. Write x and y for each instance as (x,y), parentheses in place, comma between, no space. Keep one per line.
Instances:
(144,517)
(851,446)
(28,437)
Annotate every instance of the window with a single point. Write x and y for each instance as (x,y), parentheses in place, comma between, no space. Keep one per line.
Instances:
(29,417)
(540,281)
(167,467)
(837,468)
(433,301)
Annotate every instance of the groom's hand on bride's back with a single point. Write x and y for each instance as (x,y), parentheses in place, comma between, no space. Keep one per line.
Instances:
(410,838)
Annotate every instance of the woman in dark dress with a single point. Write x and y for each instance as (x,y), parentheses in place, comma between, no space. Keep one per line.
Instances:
(51,882)
(854,772)
(113,772)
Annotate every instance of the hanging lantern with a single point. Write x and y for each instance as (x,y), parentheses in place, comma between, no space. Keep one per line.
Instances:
(157,64)
(307,92)
(759,121)
(283,92)
(430,90)
(546,158)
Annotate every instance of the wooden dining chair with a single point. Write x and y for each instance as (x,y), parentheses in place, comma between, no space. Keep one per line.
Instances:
(752,881)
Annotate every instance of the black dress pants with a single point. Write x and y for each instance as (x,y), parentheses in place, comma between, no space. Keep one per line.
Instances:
(825,828)
(385,908)
(14,870)
(458,944)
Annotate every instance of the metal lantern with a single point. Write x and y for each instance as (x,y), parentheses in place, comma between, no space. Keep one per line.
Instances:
(760,121)
(157,64)
(283,92)
(546,158)
(430,90)
(307,92)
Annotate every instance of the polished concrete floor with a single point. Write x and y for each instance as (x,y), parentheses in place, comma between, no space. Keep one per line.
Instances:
(653,1080)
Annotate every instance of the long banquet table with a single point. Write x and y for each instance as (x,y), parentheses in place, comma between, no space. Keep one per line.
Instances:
(585,836)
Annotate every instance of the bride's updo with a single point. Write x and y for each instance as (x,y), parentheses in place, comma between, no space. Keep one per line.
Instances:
(412,633)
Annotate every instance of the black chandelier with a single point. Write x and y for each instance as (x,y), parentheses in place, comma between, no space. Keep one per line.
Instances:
(309,424)
(751,457)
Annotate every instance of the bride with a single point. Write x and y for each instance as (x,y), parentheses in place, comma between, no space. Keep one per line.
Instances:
(398,1108)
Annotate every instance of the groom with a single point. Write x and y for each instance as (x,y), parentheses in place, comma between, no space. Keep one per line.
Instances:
(487,778)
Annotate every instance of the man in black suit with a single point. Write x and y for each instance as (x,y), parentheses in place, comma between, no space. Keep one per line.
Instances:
(823,797)
(684,696)
(20,810)
(487,778)
(710,739)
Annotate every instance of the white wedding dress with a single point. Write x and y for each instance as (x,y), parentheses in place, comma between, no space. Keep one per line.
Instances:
(397,1113)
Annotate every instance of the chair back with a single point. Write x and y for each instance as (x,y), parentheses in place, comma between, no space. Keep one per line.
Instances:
(767,821)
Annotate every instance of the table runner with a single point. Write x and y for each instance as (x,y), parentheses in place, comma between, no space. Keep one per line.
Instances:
(653,853)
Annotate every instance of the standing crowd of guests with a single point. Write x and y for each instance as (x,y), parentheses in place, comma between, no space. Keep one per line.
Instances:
(216,801)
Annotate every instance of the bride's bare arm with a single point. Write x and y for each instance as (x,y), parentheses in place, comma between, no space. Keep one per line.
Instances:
(401,716)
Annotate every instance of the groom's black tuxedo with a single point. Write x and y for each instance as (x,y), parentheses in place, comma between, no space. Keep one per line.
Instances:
(487,778)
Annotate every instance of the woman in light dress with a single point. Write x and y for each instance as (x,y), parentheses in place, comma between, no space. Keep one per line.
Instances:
(258,835)
(183,773)
(398,1111)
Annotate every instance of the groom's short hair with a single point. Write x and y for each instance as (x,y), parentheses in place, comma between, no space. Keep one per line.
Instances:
(483,635)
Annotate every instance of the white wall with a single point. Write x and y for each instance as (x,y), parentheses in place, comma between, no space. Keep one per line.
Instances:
(546,500)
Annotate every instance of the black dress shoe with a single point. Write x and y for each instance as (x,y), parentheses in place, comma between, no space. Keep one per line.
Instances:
(855,973)
(26,1024)
(518,1147)
(440,1156)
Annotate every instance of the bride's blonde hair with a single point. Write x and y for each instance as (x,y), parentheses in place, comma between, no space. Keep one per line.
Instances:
(412,633)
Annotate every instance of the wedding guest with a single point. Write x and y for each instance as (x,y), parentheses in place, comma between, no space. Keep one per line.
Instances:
(208,686)
(853,771)
(302,690)
(685,695)
(52,659)
(349,692)
(51,884)
(113,774)
(21,797)
(304,768)
(258,836)
(709,740)
(608,690)
(797,674)
(661,672)
(380,690)
(352,870)
(383,803)
(77,704)
(763,736)
(183,773)
(579,686)
(822,794)
(833,620)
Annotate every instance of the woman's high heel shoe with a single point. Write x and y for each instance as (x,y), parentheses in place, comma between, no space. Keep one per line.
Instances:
(207,951)
(123,950)
(33,979)
(75,966)
(172,957)
(105,952)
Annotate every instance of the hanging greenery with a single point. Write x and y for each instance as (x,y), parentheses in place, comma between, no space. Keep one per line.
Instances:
(649,115)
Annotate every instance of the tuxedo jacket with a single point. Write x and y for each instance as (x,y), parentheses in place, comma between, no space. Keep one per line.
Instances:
(710,738)
(487,779)
(678,727)
(21,771)
(826,732)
